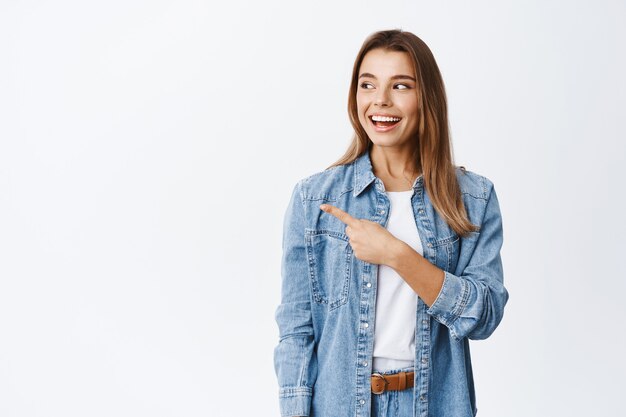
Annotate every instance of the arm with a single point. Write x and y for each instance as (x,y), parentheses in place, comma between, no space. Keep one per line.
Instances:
(425,278)
(295,362)
(471,304)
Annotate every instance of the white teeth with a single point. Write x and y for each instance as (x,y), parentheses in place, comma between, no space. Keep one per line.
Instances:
(385,119)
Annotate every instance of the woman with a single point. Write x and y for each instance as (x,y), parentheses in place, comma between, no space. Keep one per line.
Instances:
(391,256)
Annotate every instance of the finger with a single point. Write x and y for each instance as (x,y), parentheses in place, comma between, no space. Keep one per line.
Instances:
(339,213)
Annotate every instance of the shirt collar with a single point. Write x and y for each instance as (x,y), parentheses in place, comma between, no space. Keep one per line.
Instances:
(363,173)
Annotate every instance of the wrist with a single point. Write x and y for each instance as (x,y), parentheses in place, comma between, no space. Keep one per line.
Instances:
(397,250)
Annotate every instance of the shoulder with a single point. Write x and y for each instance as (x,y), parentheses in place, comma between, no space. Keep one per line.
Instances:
(473,184)
(328,184)
(335,181)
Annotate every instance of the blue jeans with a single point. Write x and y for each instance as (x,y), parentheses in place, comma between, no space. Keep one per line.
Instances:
(393,403)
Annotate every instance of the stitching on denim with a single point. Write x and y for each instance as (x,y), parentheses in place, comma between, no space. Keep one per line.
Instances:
(464,299)
(329,232)
(474,177)
(328,197)
(305,363)
(446,240)
(458,307)
(346,191)
(476,197)
(345,290)
(484,185)
(318,295)
(324,197)
(449,250)
(287,392)
(441,295)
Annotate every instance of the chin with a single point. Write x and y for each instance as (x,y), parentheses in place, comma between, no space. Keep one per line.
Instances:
(384,142)
(384,137)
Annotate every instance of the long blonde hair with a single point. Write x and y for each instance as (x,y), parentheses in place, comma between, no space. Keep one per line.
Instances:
(432,153)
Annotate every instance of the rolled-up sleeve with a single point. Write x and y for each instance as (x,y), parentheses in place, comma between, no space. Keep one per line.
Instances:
(472,304)
(294,357)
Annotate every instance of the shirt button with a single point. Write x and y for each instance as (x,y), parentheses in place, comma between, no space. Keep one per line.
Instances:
(366,325)
(364,363)
(424,360)
(430,245)
(421,211)
(362,401)
(369,284)
(424,321)
(381,212)
(422,398)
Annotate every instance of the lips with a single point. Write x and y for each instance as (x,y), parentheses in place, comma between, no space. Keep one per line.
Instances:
(384,126)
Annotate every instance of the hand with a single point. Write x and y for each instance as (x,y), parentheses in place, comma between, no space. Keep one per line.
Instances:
(369,240)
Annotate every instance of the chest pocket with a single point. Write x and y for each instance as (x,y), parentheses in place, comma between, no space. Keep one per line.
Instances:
(454,253)
(330,261)
(447,251)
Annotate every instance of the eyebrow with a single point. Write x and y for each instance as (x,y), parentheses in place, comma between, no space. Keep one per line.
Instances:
(395,77)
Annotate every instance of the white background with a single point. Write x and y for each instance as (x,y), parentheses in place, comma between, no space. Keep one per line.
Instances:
(148,150)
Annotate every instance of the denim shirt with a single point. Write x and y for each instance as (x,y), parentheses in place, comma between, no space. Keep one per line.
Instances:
(327,311)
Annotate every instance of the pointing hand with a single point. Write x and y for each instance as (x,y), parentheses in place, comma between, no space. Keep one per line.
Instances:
(370,241)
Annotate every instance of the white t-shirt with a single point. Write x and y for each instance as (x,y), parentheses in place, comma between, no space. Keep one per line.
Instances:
(396,301)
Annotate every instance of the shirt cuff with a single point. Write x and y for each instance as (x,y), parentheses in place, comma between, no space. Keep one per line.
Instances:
(295,401)
(451,301)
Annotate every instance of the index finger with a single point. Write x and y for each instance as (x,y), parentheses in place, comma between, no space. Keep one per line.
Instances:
(339,213)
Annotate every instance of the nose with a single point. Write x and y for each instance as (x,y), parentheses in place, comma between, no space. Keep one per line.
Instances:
(382,98)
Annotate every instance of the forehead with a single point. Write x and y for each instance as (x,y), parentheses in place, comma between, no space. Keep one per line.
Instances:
(383,63)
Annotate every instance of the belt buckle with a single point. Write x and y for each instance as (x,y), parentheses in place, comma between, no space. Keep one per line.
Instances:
(379,375)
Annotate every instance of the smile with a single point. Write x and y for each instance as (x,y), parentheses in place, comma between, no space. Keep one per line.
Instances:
(384,123)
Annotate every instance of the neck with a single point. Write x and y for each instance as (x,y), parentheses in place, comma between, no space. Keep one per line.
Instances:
(394,163)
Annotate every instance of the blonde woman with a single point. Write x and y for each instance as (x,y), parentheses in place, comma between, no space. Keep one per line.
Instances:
(391,256)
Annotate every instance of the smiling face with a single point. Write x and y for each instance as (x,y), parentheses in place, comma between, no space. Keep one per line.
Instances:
(386,97)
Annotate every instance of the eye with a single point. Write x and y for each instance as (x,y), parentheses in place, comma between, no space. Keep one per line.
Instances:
(364,86)
(406,87)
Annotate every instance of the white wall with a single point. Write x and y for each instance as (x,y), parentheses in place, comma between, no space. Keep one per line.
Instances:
(147,153)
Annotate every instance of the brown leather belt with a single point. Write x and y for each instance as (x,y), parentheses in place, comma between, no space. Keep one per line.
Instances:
(398,381)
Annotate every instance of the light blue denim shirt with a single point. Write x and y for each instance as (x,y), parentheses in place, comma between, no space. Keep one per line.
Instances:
(327,311)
